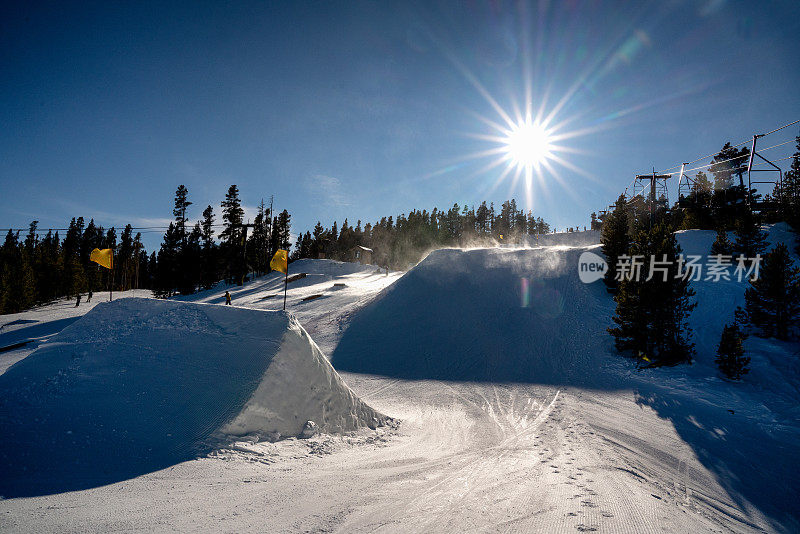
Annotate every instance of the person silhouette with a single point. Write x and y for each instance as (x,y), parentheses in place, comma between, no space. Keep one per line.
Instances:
(227,299)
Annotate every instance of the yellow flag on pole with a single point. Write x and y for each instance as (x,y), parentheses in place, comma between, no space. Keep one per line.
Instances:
(279,261)
(103,257)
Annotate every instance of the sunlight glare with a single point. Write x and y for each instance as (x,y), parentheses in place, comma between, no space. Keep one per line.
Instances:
(528,144)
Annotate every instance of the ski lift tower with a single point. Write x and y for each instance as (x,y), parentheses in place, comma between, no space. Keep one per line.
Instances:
(762,205)
(686,187)
(653,187)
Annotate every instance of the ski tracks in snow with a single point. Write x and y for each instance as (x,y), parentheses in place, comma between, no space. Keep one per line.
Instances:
(515,470)
(475,457)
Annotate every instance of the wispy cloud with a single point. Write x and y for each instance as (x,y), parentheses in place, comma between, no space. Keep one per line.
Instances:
(250,213)
(108,218)
(327,191)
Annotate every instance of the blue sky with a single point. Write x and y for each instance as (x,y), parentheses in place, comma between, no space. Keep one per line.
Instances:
(368,109)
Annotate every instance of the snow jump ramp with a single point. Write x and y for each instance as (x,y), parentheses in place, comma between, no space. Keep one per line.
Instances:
(498,315)
(137,385)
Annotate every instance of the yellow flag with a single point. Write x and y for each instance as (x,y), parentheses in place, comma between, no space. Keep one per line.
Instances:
(279,261)
(103,257)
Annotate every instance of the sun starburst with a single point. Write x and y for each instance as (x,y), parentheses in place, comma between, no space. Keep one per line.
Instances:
(528,144)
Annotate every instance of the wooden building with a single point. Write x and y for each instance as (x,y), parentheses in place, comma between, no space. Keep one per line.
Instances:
(362,255)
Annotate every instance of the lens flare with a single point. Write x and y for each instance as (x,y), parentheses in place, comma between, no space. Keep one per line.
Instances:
(525,293)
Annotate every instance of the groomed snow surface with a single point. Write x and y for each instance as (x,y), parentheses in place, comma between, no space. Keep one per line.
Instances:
(516,413)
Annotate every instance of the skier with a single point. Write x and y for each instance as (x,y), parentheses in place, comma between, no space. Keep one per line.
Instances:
(79,301)
(89,298)
(227,299)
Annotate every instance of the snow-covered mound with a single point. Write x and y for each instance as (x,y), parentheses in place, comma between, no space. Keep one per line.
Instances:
(140,384)
(330,291)
(484,314)
(319,277)
(570,239)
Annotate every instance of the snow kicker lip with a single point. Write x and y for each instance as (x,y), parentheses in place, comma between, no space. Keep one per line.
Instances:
(139,384)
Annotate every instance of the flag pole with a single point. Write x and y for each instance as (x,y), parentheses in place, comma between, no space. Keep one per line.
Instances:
(285,285)
(111,279)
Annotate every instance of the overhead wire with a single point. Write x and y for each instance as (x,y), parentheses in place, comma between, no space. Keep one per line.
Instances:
(703,157)
(734,146)
(781,128)
(144,229)
(731,159)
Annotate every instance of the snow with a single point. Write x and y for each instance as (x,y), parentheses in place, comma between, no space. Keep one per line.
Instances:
(516,415)
(572,239)
(324,317)
(38,324)
(467,315)
(136,385)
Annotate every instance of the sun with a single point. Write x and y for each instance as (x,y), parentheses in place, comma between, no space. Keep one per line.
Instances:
(528,144)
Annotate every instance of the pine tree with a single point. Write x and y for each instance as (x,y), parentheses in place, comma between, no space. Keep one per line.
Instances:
(284,230)
(231,235)
(729,198)
(232,215)
(303,248)
(595,224)
(92,239)
(179,212)
(697,206)
(189,274)
(790,195)
(482,219)
(185,262)
(17,291)
(110,241)
(152,271)
(139,257)
(702,184)
(730,354)
(615,240)
(47,268)
(209,261)
(772,303)
(318,245)
(750,240)
(32,239)
(651,315)
(258,244)
(74,279)
(722,245)
(730,162)
(166,282)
